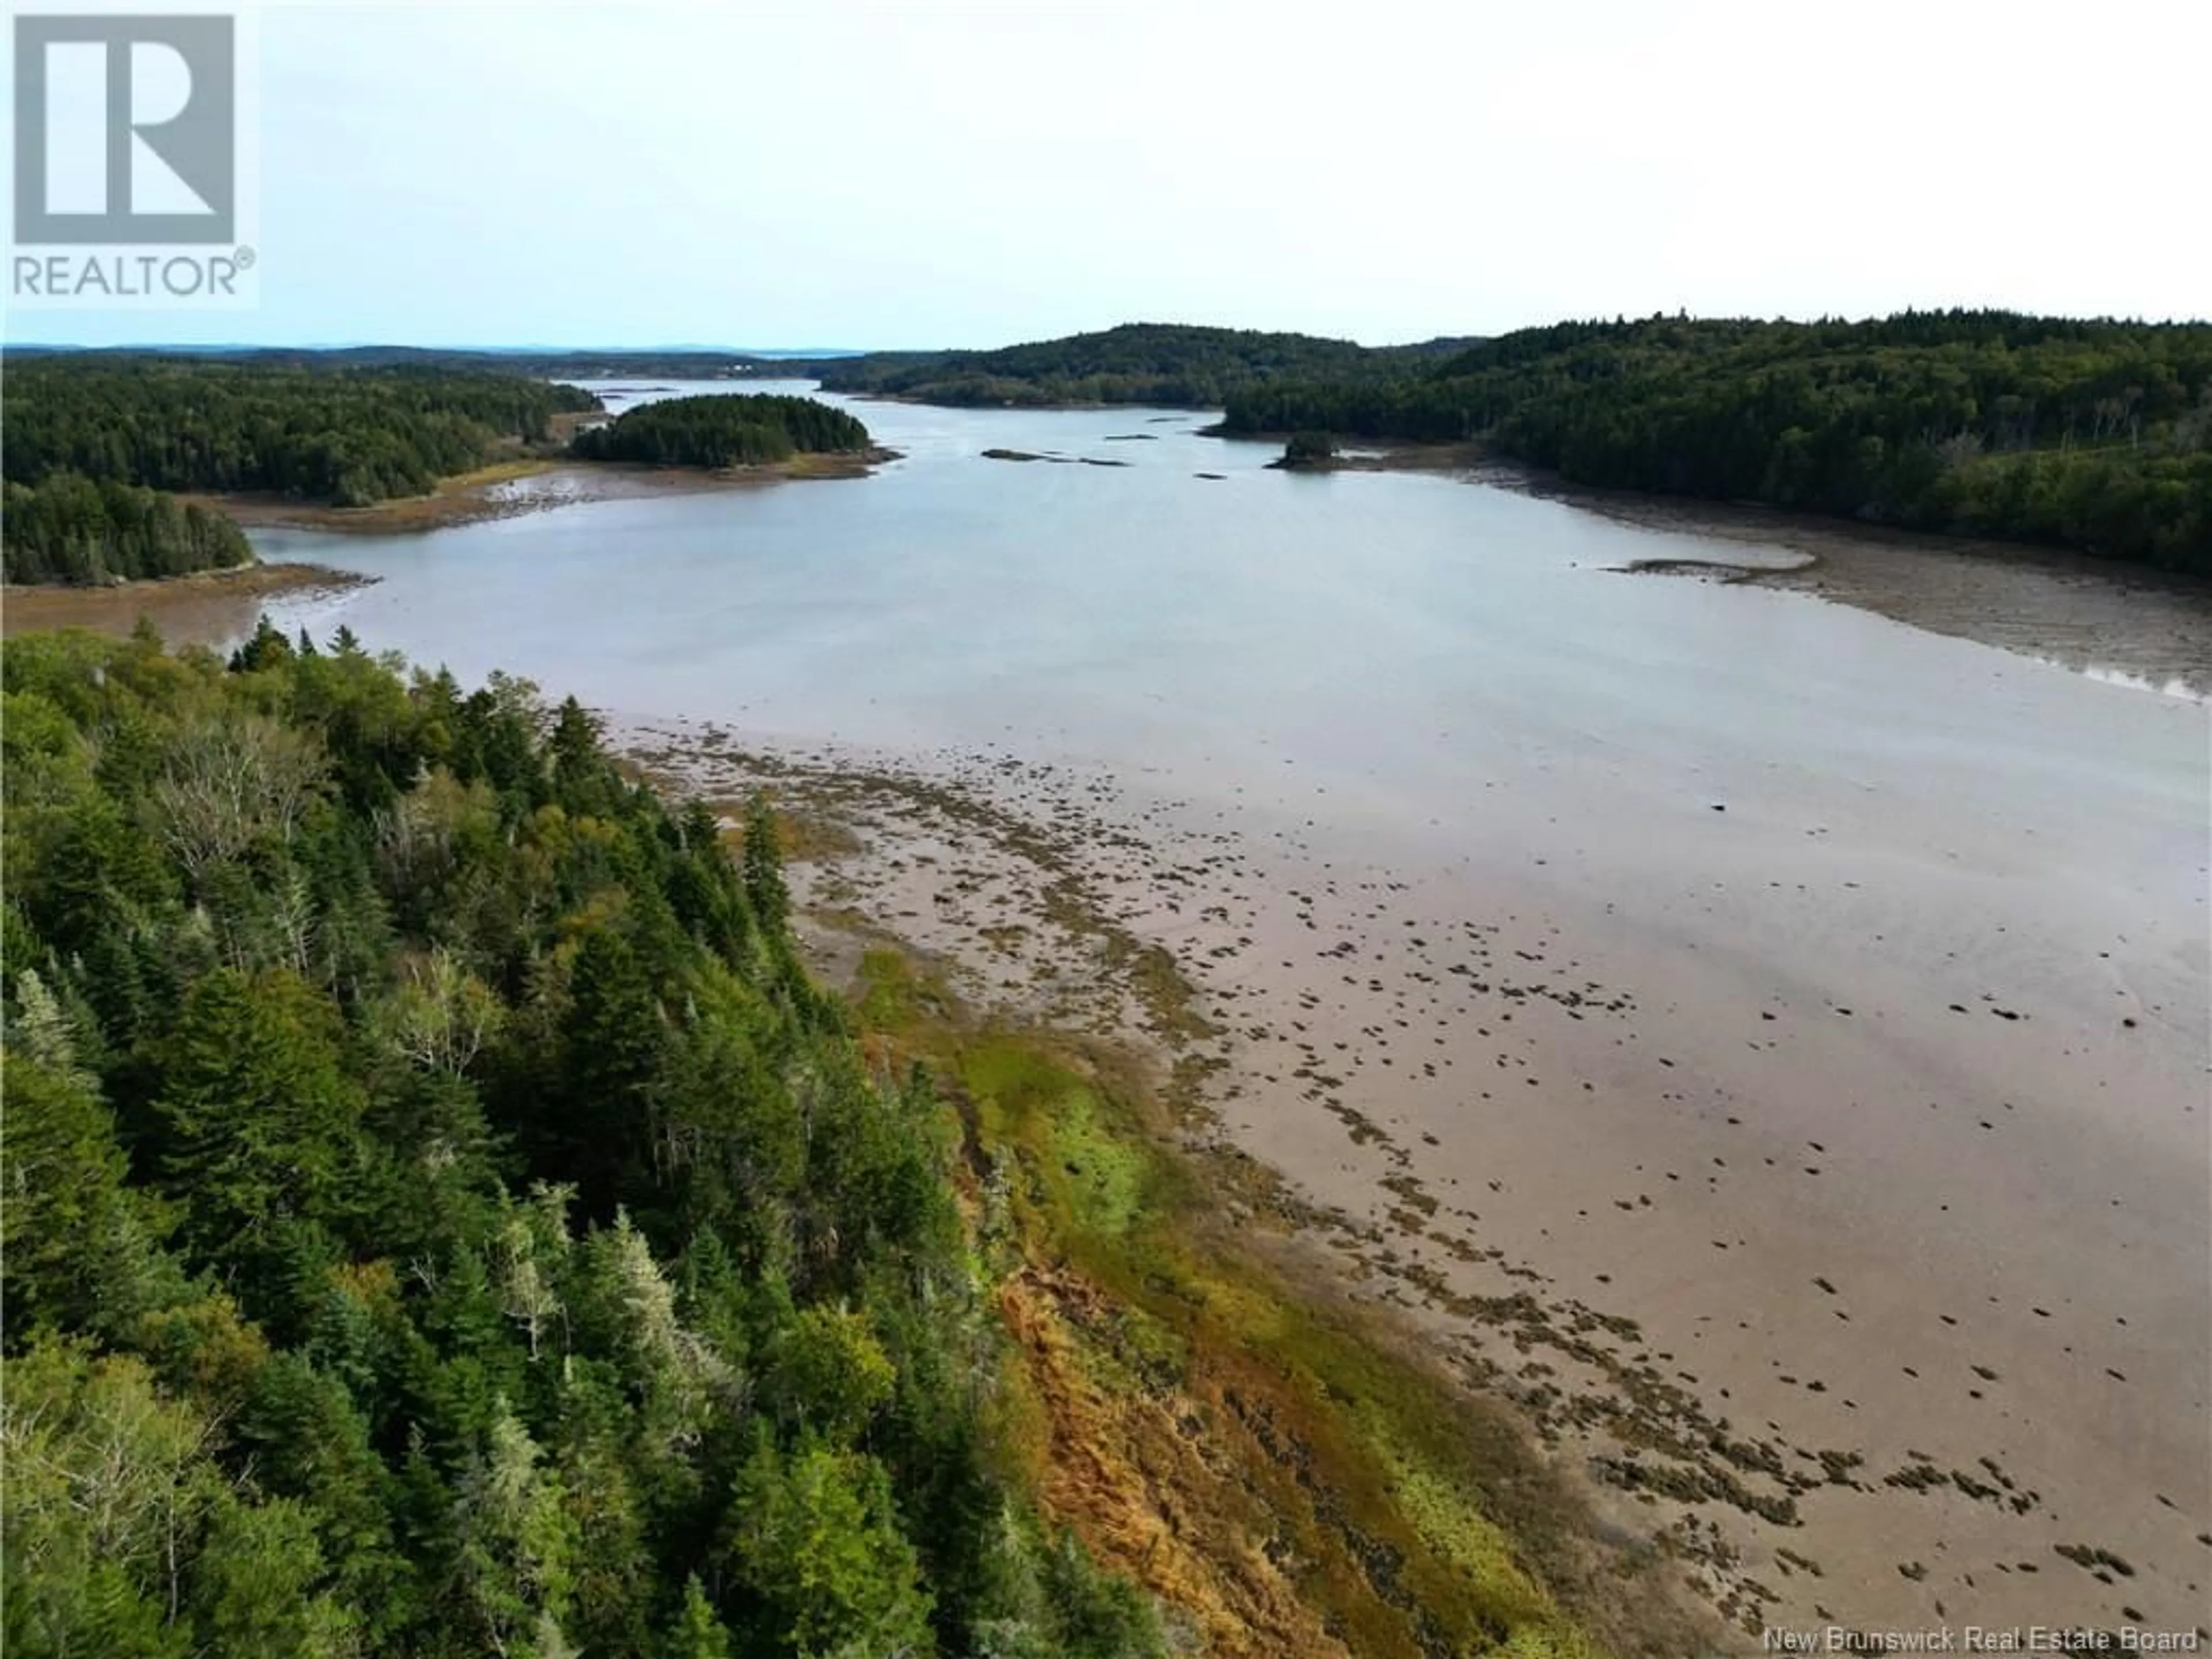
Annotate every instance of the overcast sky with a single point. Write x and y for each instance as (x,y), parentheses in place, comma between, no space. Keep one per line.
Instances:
(922,173)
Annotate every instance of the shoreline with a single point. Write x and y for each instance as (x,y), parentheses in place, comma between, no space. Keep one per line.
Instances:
(204,603)
(945,870)
(2135,622)
(1029,955)
(1784,1470)
(1692,1431)
(510,489)
(1055,406)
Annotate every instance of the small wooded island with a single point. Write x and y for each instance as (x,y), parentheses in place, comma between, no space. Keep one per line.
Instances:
(1307,451)
(722,431)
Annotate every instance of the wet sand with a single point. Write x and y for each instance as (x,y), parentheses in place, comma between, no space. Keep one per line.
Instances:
(1825,1176)
(2141,625)
(204,609)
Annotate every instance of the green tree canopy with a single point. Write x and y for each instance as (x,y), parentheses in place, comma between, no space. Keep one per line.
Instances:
(2090,435)
(717,431)
(442,1218)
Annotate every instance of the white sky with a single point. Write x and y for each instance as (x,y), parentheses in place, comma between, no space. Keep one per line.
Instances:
(925,173)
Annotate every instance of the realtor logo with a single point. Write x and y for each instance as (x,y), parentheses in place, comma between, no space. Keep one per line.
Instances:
(125,130)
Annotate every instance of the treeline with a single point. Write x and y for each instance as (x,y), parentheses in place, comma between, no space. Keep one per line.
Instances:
(67,529)
(714,430)
(1157,364)
(619,362)
(2095,435)
(443,1218)
(345,436)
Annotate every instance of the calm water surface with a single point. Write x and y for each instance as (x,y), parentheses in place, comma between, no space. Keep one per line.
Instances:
(1406,638)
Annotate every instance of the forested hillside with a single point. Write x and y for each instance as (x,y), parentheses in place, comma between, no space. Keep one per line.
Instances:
(715,431)
(604,364)
(443,1218)
(1136,363)
(344,436)
(67,529)
(2088,434)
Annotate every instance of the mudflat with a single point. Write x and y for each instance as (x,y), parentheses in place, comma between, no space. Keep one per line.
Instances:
(1841,1214)
(2126,620)
(2132,621)
(208,607)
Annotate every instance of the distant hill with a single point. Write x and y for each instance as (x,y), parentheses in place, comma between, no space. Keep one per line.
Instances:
(95,441)
(1162,364)
(342,431)
(2088,434)
(558,363)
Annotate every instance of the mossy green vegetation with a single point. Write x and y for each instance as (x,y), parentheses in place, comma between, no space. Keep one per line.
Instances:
(1272,1465)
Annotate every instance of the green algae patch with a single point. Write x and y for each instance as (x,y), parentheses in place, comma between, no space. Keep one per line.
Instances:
(801,837)
(1466,1538)
(894,995)
(1281,1474)
(1097,1180)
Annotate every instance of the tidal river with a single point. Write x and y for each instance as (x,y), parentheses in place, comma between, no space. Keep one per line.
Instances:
(1808,1011)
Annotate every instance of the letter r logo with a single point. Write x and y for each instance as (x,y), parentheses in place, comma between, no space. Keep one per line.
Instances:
(125,129)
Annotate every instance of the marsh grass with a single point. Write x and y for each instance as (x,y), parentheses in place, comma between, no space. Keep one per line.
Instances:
(1283,1474)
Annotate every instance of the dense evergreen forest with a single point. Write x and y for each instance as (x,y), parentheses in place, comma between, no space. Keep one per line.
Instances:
(344,436)
(674,364)
(66,528)
(1156,363)
(442,1218)
(718,430)
(2087,435)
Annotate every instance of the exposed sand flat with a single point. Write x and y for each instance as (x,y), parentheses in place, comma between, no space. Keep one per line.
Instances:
(204,608)
(1795,1164)
(2132,622)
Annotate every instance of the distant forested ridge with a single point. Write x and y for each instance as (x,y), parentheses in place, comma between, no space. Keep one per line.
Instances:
(2095,435)
(714,430)
(1157,363)
(672,363)
(442,1218)
(344,436)
(66,528)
